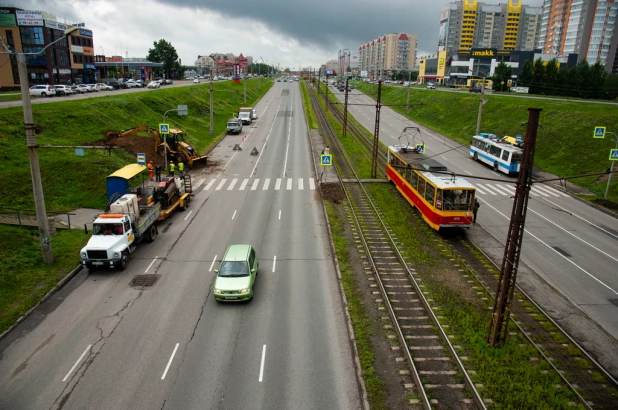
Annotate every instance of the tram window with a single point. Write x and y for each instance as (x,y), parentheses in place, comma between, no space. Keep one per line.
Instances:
(408,172)
(421,188)
(505,155)
(430,193)
(449,199)
(414,180)
(439,201)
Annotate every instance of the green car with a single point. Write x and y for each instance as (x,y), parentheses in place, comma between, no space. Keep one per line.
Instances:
(236,275)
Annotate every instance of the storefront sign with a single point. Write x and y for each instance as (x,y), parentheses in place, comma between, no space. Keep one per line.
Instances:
(29,18)
(88,50)
(113,59)
(65,71)
(85,33)
(89,66)
(55,25)
(77,49)
(484,53)
(136,60)
(7,19)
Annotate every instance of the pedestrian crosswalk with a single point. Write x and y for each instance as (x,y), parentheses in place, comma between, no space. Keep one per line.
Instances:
(257,184)
(509,190)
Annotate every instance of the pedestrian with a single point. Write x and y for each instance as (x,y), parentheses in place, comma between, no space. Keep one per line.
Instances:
(150,170)
(172,168)
(327,150)
(158,172)
(475,210)
(181,169)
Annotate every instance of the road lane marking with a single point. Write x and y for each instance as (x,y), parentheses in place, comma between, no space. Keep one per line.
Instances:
(212,264)
(76,363)
(199,183)
(274,262)
(244,184)
(256,182)
(278,184)
(149,266)
(280,214)
(229,188)
(170,361)
(300,184)
(538,191)
(558,253)
(502,189)
(480,190)
(583,219)
(311,184)
(555,190)
(289,185)
(468,172)
(234,214)
(486,188)
(262,365)
(266,183)
(188,215)
(210,184)
(223,181)
(544,189)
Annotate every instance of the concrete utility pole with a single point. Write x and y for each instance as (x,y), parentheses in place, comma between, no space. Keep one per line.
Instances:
(345,110)
(35,170)
(376,134)
(245,98)
(499,324)
(611,168)
(212,118)
(481,103)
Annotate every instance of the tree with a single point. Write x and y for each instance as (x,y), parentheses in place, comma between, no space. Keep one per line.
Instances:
(502,74)
(551,77)
(525,78)
(164,52)
(538,77)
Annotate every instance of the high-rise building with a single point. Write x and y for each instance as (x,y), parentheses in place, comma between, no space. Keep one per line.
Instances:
(583,27)
(394,52)
(470,24)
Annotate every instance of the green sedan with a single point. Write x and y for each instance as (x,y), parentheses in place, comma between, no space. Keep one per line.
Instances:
(236,275)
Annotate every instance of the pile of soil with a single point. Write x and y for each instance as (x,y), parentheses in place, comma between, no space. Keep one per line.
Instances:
(134,144)
(332,192)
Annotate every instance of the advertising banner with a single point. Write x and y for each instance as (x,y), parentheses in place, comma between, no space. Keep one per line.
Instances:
(364,74)
(7,19)
(484,53)
(55,25)
(29,17)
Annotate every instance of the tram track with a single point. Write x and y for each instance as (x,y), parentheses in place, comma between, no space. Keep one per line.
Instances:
(419,330)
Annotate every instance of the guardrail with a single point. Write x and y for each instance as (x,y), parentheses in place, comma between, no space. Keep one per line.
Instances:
(28,215)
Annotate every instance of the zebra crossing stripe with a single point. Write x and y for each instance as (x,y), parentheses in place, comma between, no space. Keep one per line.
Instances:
(550,189)
(311,184)
(535,189)
(255,184)
(244,184)
(480,190)
(199,184)
(210,183)
(300,184)
(544,189)
(278,184)
(501,189)
(229,188)
(223,181)
(266,183)
(487,189)
(289,187)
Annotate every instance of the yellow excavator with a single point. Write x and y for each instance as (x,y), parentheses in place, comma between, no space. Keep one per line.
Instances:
(174,144)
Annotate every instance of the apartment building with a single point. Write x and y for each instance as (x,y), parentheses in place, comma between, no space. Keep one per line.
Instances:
(471,24)
(70,60)
(394,52)
(585,27)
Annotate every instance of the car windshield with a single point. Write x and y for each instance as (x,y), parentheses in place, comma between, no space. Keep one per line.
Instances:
(231,269)
(107,229)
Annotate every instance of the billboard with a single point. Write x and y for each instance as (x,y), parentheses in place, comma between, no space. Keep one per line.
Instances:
(353,60)
(29,17)
(364,74)
(330,72)
(484,53)
(7,19)
(443,34)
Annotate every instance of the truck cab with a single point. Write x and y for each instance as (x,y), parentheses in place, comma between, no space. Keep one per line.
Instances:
(234,126)
(112,235)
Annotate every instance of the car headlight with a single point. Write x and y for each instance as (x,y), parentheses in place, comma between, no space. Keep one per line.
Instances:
(84,255)
(116,254)
(217,291)
(246,290)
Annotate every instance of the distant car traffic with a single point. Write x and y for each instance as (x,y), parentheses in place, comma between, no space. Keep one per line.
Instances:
(154,84)
(431,86)
(475,89)
(82,88)
(132,84)
(196,81)
(105,87)
(42,91)
(64,90)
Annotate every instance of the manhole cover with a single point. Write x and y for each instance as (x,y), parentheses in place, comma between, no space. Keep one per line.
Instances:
(143,281)
(561,251)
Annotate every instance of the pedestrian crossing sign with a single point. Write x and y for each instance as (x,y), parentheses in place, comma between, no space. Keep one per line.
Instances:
(326,160)
(613,155)
(599,132)
(420,148)
(164,128)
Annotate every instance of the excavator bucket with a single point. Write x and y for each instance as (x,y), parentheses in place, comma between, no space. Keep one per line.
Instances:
(197,162)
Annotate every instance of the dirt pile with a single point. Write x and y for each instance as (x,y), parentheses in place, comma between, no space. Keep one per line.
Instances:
(133,144)
(332,192)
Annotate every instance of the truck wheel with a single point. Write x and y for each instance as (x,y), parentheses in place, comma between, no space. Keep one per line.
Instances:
(124,261)
(152,233)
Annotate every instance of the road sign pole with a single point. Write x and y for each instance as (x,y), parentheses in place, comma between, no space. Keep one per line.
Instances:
(611,168)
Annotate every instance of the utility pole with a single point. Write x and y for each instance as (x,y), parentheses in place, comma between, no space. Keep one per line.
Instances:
(611,168)
(212,131)
(326,95)
(245,81)
(345,110)
(499,324)
(35,170)
(376,134)
(408,98)
(481,103)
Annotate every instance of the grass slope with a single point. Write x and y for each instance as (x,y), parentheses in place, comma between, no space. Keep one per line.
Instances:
(70,181)
(565,145)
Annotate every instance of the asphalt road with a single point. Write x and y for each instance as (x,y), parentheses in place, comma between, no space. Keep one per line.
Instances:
(100,344)
(573,246)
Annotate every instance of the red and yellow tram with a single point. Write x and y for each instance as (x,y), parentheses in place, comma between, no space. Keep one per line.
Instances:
(443,200)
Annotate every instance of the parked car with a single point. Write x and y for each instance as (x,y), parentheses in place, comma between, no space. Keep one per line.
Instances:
(132,84)
(114,85)
(168,81)
(141,83)
(42,90)
(82,88)
(475,89)
(64,90)
(196,81)
(154,84)
(105,87)
(431,86)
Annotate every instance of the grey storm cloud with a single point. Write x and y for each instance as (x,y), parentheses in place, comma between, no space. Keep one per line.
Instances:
(328,24)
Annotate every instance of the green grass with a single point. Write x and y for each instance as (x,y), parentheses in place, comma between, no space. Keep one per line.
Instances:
(358,312)
(565,146)
(24,278)
(312,121)
(509,375)
(70,181)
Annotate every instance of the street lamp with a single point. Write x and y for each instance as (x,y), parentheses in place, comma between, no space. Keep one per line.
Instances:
(35,170)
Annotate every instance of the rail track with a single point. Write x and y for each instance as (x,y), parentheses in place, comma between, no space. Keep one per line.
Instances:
(440,378)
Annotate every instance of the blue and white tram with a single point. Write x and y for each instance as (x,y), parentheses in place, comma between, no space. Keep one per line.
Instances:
(499,154)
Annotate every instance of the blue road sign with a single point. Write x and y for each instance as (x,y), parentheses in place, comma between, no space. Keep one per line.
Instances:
(613,154)
(141,158)
(326,160)
(164,128)
(420,148)
(599,132)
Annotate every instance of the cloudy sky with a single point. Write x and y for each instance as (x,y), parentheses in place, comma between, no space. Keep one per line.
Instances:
(286,32)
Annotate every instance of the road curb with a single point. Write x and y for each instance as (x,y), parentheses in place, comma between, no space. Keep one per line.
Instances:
(357,364)
(49,294)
